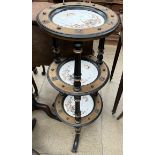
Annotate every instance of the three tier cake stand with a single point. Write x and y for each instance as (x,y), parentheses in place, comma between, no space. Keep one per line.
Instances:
(78,79)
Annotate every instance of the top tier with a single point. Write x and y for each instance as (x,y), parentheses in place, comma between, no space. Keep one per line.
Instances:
(78,21)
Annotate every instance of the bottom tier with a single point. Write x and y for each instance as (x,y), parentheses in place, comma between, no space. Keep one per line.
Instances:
(90,106)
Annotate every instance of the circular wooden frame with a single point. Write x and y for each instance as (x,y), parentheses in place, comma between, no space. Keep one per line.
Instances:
(45,22)
(69,120)
(61,86)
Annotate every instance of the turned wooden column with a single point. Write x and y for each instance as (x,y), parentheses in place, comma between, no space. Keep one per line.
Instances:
(77,87)
(56,50)
(77,79)
(100,51)
(77,109)
(77,69)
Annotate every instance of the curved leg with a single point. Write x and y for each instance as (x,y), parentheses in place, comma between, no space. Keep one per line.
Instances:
(118,96)
(45,108)
(76,140)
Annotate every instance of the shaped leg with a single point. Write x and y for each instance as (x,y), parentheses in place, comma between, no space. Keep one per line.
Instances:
(44,107)
(76,140)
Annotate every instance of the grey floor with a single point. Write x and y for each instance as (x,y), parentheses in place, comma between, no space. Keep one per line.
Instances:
(103,137)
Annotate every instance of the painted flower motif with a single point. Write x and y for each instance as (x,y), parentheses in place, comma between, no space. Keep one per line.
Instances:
(89,72)
(86,105)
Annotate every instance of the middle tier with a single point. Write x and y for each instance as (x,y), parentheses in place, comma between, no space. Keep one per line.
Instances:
(93,76)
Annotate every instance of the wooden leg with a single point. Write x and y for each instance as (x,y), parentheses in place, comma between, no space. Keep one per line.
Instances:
(118,96)
(76,140)
(116,57)
(45,108)
(100,51)
(35,87)
(120,116)
(43,72)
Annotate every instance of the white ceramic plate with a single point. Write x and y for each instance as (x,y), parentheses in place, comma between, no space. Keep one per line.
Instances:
(88,70)
(78,19)
(86,105)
